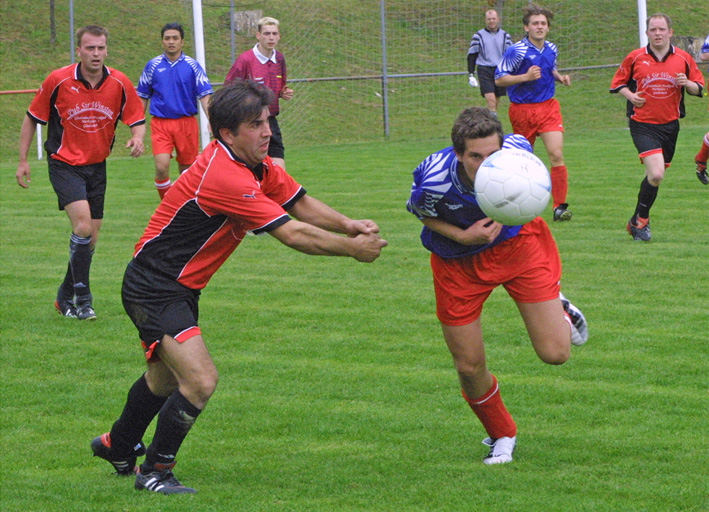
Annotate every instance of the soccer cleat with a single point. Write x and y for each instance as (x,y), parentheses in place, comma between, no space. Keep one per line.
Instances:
(562,213)
(637,233)
(500,449)
(85,311)
(702,172)
(124,465)
(65,308)
(160,479)
(579,327)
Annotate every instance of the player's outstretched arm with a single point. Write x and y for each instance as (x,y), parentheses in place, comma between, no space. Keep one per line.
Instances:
(315,212)
(310,239)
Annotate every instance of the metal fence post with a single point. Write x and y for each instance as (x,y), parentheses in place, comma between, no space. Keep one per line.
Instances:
(385,77)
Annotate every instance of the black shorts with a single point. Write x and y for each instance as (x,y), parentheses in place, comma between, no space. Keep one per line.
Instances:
(275,147)
(79,182)
(159,305)
(486,77)
(649,138)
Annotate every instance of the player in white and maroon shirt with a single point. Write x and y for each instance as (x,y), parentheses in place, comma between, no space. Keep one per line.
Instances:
(266,65)
(233,188)
(81,104)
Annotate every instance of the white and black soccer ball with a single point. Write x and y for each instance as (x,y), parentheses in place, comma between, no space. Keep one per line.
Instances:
(512,186)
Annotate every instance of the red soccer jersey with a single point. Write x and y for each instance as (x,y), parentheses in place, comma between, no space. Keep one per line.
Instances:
(208,210)
(82,120)
(271,74)
(641,71)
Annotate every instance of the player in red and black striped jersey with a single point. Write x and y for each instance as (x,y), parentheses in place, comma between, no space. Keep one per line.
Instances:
(266,65)
(233,188)
(81,104)
(654,79)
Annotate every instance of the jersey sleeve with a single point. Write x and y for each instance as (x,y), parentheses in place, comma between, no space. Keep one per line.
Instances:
(511,61)
(145,82)
(133,112)
(623,75)
(280,186)
(202,83)
(429,187)
(40,105)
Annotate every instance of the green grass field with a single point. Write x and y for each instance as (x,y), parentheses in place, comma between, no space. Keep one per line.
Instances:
(337,391)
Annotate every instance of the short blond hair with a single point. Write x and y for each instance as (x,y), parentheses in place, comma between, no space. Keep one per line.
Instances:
(266,20)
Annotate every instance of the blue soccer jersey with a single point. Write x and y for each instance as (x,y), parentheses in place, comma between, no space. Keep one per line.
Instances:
(438,192)
(517,60)
(173,88)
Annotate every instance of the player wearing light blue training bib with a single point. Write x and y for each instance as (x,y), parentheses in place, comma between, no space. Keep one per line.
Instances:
(439,192)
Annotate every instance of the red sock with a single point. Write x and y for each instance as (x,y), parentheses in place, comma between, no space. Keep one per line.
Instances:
(704,151)
(559,184)
(163,187)
(492,413)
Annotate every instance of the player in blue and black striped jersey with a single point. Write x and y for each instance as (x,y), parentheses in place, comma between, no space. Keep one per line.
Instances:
(471,255)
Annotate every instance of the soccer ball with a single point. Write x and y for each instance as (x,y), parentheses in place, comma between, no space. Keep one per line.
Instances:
(512,186)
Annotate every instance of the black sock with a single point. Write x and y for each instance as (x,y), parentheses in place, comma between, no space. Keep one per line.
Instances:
(174,422)
(80,254)
(66,289)
(646,198)
(140,409)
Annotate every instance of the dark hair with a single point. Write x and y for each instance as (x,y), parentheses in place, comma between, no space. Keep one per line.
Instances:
(534,10)
(474,123)
(173,26)
(241,101)
(94,30)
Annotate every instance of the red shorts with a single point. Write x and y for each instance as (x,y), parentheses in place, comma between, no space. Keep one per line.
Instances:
(182,134)
(531,119)
(528,266)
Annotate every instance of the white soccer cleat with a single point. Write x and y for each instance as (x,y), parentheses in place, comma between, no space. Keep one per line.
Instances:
(573,315)
(500,449)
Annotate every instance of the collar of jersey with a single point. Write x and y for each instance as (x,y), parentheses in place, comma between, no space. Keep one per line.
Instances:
(257,170)
(80,77)
(262,58)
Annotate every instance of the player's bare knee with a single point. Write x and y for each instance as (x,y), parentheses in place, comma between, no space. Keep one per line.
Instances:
(556,355)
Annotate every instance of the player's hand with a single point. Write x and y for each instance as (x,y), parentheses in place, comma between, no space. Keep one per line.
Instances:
(482,232)
(534,73)
(136,146)
(637,99)
(565,80)
(472,81)
(369,247)
(364,226)
(23,174)
(286,93)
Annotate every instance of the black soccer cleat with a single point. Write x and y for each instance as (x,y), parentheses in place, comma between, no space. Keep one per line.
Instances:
(124,464)
(65,308)
(160,479)
(562,213)
(702,172)
(644,234)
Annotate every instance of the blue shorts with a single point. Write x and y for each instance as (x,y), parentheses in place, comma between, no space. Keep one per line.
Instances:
(79,182)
